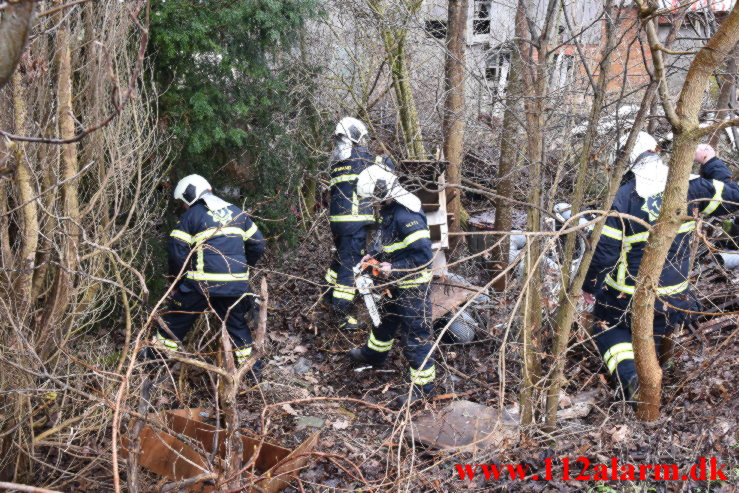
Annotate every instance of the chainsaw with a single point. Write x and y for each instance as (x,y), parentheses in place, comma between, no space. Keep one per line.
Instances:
(365,284)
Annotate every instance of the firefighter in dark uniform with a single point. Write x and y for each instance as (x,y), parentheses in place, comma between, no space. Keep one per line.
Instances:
(210,252)
(350,216)
(615,264)
(405,261)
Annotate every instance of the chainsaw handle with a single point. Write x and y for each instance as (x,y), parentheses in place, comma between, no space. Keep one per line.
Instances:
(372,263)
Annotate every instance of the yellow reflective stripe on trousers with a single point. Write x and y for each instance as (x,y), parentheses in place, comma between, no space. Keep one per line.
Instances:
(344,292)
(425,277)
(422,377)
(662,290)
(331,276)
(218,277)
(242,354)
(716,200)
(351,218)
(618,353)
(377,345)
(415,236)
(181,235)
(614,233)
(343,178)
(168,343)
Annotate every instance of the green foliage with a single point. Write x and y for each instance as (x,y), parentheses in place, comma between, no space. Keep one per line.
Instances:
(221,71)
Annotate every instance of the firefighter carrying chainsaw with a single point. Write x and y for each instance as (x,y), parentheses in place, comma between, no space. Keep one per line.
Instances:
(403,262)
(213,245)
(350,215)
(615,264)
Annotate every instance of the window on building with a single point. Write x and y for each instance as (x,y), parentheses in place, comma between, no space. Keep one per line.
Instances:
(436,29)
(497,68)
(562,70)
(481,17)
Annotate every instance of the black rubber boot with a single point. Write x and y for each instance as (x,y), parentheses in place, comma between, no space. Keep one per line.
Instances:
(151,357)
(631,391)
(254,375)
(358,355)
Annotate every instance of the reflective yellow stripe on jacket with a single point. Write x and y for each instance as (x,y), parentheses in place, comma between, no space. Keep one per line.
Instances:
(208,276)
(213,232)
(620,282)
(351,218)
(181,235)
(716,200)
(343,178)
(415,236)
(423,278)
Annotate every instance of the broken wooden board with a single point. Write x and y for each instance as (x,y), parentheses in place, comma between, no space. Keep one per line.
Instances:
(466,426)
(447,296)
(178,451)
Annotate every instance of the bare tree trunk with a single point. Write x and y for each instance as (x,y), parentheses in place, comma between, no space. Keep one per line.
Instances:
(728,89)
(14,29)
(509,149)
(394,33)
(534,78)
(683,118)
(26,193)
(62,291)
(454,115)
(6,254)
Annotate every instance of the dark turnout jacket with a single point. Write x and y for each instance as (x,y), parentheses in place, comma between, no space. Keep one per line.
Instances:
(349,213)
(224,244)
(406,244)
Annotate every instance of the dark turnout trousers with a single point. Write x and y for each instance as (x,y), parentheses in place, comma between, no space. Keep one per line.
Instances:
(185,308)
(407,313)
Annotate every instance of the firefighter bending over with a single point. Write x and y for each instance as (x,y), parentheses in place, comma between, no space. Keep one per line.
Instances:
(214,244)
(618,254)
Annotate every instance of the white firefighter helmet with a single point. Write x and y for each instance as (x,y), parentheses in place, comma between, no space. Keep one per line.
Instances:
(352,128)
(649,170)
(194,187)
(644,142)
(378,182)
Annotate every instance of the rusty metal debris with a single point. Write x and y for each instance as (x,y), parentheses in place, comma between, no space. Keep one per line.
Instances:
(174,448)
